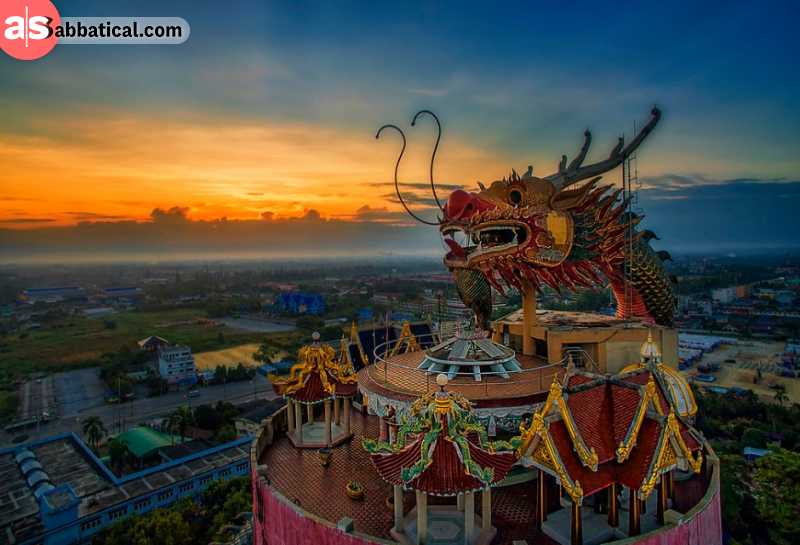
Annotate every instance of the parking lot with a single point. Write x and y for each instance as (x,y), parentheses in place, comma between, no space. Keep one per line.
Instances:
(79,390)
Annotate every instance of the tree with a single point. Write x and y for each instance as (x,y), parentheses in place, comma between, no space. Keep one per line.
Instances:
(780,394)
(265,353)
(737,510)
(94,431)
(776,490)
(310,323)
(180,420)
(160,527)
(208,418)
(117,453)
(753,437)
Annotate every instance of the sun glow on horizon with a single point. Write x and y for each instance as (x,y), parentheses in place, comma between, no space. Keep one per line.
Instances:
(122,167)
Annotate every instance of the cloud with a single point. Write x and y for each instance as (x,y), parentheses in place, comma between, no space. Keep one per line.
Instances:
(309,235)
(94,216)
(413,199)
(23,221)
(267,215)
(738,214)
(172,215)
(311,215)
(673,182)
(420,185)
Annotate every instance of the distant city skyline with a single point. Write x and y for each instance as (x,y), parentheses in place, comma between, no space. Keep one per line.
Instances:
(262,125)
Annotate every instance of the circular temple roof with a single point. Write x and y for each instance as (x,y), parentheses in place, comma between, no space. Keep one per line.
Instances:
(470,354)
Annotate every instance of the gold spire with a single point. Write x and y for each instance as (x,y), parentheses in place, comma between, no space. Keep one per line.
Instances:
(650,350)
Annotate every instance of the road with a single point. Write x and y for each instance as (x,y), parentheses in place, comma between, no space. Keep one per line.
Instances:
(121,416)
(36,397)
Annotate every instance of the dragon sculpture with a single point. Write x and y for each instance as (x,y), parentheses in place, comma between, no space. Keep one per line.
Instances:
(528,232)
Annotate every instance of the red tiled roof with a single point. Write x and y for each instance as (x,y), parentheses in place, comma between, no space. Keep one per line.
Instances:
(633,470)
(590,481)
(624,407)
(591,411)
(389,465)
(446,474)
(603,414)
(576,380)
(313,391)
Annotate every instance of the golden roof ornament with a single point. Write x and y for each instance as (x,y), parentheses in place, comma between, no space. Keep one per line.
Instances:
(650,351)
(443,401)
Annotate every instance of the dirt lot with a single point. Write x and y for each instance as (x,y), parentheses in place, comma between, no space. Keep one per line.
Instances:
(749,356)
(230,357)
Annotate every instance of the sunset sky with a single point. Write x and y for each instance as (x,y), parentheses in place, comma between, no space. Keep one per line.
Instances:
(268,111)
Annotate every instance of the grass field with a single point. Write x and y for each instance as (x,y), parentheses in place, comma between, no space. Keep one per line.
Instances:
(77,341)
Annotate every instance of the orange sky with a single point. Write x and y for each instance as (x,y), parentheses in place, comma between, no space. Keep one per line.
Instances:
(123,166)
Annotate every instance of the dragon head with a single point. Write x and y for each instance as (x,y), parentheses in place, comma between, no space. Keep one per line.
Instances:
(514,219)
(530,230)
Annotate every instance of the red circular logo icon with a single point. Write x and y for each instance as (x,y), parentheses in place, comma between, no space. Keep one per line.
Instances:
(27,28)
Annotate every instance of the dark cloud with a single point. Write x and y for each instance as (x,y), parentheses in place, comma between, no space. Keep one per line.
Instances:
(411,199)
(440,188)
(736,215)
(382,214)
(311,215)
(671,182)
(267,215)
(178,235)
(94,216)
(174,214)
(22,221)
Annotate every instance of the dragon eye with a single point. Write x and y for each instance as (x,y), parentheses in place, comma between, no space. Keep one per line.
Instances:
(515,196)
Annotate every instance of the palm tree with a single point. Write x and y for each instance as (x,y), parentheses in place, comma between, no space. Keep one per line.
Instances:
(182,418)
(94,431)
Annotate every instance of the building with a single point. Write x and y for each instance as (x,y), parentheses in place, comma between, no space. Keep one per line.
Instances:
(153,343)
(57,492)
(724,295)
(319,379)
(602,457)
(591,421)
(124,295)
(176,365)
(53,295)
(297,302)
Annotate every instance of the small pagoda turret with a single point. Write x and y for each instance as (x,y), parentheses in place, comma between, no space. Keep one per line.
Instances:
(321,376)
(441,449)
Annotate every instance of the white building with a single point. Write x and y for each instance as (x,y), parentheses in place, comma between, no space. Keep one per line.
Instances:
(724,295)
(176,364)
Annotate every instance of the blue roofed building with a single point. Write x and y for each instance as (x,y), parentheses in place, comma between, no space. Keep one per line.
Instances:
(55,491)
(298,302)
(53,295)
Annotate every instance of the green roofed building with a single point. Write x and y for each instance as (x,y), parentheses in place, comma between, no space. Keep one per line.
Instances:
(143,441)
